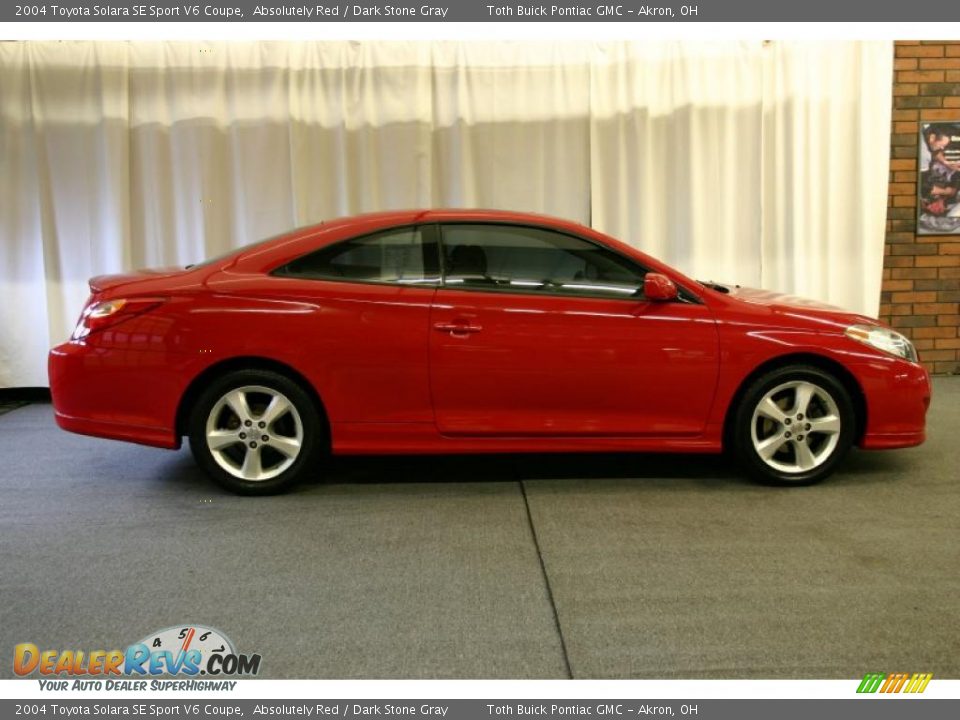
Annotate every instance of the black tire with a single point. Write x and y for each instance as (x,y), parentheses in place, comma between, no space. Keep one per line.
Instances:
(313,442)
(790,453)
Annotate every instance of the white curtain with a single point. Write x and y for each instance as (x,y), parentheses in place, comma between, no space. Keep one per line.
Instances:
(763,165)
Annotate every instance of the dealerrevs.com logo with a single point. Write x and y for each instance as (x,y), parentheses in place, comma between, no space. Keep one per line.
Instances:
(179,651)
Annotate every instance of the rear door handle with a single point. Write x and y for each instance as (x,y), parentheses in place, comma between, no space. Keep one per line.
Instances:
(457,328)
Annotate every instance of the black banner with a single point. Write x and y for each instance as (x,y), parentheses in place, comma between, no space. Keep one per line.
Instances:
(621,11)
(867,708)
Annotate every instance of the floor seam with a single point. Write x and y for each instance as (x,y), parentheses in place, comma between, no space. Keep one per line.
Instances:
(546,581)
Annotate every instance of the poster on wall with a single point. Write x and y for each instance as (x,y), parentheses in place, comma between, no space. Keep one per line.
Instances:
(938,203)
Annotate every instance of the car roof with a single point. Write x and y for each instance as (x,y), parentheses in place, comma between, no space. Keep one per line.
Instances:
(400,217)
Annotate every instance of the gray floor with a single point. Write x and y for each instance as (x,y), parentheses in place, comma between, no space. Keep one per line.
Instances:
(624,566)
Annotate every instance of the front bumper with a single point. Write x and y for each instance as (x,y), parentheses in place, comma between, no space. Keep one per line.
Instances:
(897,395)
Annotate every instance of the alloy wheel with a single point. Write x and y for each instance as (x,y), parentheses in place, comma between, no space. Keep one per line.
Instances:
(795,427)
(254,432)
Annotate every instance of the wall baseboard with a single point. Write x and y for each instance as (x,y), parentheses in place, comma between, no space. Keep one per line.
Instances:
(24,394)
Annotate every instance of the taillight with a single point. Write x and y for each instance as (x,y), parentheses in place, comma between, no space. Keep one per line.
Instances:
(103,314)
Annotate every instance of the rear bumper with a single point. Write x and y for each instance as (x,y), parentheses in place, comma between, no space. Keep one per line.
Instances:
(103,392)
(897,395)
(100,428)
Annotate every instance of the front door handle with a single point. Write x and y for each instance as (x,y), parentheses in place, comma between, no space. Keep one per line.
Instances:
(460,328)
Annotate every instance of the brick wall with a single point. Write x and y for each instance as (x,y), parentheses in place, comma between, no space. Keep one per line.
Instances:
(920,295)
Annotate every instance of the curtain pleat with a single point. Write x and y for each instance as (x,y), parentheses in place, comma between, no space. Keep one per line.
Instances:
(733,161)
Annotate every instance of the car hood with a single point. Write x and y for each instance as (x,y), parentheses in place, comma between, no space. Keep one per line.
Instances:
(796,306)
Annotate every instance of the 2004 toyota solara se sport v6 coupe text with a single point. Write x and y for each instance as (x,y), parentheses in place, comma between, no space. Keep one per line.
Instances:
(456,331)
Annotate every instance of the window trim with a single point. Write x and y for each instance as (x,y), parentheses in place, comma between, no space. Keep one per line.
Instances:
(691,297)
(429,236)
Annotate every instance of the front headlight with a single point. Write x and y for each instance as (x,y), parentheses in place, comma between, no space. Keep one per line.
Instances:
(885,339)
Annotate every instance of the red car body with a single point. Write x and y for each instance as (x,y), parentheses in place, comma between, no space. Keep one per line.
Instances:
(437,369)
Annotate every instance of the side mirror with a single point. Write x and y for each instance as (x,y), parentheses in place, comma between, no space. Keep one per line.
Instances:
(659,288)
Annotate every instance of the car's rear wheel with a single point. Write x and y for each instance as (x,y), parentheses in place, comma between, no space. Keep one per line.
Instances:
(793,426)
(256,432)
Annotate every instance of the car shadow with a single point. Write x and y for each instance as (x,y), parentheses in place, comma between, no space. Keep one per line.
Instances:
(534,466)
(698,471)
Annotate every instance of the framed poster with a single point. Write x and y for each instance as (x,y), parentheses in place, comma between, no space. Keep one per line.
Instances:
(938,200)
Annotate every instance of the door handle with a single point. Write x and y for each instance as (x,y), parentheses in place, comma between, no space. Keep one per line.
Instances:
(457,328)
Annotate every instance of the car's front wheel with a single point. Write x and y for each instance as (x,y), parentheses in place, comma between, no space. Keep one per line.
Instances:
(255,432)
(794,425)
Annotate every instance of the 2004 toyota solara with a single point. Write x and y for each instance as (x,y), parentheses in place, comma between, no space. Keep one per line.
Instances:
(458,331)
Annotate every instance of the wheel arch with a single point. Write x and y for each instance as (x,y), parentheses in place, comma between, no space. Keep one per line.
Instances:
(822,362)
(245,362)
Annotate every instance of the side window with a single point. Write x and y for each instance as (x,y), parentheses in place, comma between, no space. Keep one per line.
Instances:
(525,259)
(398,255)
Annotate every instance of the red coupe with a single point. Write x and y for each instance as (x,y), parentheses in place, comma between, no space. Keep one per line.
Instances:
(474,331)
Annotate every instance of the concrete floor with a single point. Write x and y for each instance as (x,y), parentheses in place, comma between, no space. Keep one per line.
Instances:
(531,566)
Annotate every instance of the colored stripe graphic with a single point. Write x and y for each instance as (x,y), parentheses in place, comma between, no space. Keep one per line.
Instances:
(918,683)
(871,682)
(894,682)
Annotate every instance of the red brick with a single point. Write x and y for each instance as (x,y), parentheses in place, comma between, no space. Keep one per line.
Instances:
(951,51)
(932,64)
(928,51)
(913,273)
(951,102)
(924,344)
(905,188)
(947,344)
(940,89)
(906,114)
(903,225)
(920,76)
(914,321)
(900,237)
(905,200)
(901,89)
(949,321)
(900,213)
(911,102)
(903,165)
(947,368)
(898,261)
(938,261)
(934,308)
(950,248)
(931,355)
(934,332)
(906,126)
(939,285)
(912,249)
(904,151)
(948,272)
(896,285)
(938,115)
(914,297)
(909,176)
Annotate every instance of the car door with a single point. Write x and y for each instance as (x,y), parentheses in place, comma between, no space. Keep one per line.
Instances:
(363,334)
(538,333)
